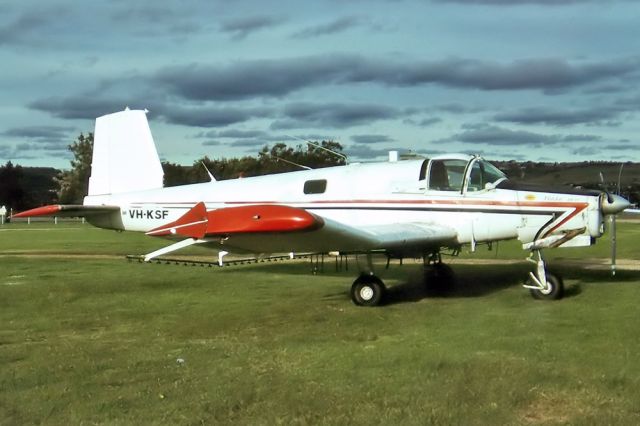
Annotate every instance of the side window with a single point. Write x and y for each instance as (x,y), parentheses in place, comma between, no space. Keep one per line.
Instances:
(446,175)
(315,186)
(423,170)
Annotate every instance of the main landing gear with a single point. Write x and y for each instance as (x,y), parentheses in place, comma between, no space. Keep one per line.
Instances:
(542,284)
(367,290)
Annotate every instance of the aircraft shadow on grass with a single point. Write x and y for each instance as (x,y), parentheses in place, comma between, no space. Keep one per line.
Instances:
(482,280)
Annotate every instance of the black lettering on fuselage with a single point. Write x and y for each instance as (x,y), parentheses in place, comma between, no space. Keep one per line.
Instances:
(148,214)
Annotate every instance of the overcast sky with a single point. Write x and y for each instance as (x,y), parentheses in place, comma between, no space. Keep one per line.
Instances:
(550,80)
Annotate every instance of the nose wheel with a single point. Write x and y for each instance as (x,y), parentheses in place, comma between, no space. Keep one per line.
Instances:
(541,284)
(553,290)
(367,290)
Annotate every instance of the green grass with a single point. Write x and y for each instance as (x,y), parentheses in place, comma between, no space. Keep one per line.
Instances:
(99,340)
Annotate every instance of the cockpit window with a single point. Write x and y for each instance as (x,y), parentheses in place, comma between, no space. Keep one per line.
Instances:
(446,175)
(483,173)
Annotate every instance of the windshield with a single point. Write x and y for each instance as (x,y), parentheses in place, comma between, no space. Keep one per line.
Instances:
(482,173)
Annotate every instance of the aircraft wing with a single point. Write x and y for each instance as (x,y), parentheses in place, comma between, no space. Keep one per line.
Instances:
(280,228)
(67,210)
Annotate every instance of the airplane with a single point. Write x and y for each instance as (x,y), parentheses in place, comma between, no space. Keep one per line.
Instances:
(409,208)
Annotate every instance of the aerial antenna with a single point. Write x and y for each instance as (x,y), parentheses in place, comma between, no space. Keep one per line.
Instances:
(620,177)
(212,179)
(286,161)
(316,145)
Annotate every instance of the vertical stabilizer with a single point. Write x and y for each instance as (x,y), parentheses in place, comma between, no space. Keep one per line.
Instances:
(124,155)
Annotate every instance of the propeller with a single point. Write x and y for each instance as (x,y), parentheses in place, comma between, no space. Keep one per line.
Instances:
(611,206)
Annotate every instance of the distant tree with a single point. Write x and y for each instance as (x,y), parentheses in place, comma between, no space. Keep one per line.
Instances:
(282,158)
(74,184)
(175,174)
(12,191)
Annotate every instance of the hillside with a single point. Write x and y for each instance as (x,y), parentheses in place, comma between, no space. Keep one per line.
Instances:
(584,174)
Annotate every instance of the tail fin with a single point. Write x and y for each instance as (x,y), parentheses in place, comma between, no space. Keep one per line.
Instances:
(124,155)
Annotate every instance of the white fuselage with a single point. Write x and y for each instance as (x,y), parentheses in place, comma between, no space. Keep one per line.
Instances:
(361,195)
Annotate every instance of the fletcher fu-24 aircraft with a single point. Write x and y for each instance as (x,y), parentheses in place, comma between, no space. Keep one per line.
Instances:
(411,208)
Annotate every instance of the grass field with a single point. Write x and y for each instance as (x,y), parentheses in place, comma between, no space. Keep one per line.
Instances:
(90,339)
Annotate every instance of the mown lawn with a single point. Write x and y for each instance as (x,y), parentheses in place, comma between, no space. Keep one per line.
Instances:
(102,340)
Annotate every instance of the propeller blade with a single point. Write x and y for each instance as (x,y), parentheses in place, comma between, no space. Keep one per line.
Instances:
(613,244)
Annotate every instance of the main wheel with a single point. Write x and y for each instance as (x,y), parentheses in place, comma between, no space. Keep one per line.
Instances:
(367,290)
(439,279)
(554,292)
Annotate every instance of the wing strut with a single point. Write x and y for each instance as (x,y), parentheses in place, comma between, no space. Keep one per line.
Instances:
(173,247)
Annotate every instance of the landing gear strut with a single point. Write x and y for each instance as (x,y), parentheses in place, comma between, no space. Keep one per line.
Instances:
(542,284)
(367,290)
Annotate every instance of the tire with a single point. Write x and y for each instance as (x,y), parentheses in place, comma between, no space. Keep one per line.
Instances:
(367,290)
(556,292)
(439,279)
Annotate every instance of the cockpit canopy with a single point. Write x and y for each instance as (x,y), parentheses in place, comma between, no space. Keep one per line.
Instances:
(460,174)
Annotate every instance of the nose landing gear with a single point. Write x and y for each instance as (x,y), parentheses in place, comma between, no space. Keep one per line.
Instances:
(542,284)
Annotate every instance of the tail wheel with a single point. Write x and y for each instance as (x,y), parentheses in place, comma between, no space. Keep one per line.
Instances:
(367,290)
(554,291)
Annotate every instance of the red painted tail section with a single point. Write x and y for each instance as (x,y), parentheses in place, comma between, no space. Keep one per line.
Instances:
(260,218)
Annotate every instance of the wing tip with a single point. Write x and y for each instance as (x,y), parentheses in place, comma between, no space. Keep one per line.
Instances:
(39,211)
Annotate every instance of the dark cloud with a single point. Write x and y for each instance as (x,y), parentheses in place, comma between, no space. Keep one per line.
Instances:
(332,115)
(82,106)
(49,147)
(39,133)
(425,122)
(242,27)
(457,108)
(545,74)
(494,135)
(523,2)
(248,143)
(586,150)
(631,103)
(22,27)
(242,134)
(154,20)
(274,78)
(623,147)
(580,138)
(335,26)
(207,116)
(249,79)
(369,139)
(554,117)
(11,153)
(37,139)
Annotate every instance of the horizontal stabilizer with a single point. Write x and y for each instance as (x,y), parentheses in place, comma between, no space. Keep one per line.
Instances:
(198,222)
(67,210)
